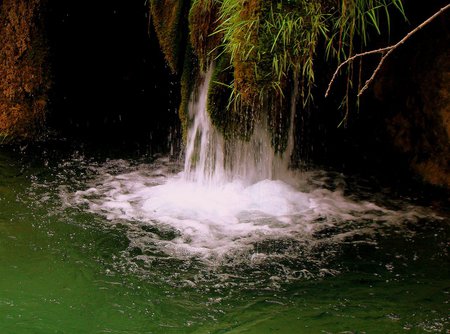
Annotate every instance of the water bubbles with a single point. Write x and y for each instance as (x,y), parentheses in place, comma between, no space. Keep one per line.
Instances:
(169,218)
(235,205)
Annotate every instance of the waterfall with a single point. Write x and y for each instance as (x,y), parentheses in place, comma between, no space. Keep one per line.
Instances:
(211,159)
(204,159)
(233,196)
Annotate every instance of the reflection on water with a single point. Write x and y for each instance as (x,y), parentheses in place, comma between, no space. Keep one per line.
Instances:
(129,246)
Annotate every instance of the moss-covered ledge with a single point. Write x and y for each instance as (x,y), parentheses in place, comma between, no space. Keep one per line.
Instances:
(270,55)
(265,54)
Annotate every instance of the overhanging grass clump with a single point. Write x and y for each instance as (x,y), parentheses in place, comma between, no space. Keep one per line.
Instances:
(269,41)
(263,49)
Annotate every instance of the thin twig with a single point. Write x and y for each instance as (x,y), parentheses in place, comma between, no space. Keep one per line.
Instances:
(385,52)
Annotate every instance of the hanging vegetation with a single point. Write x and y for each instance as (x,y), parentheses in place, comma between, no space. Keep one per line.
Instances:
(262,48)
(203,23)
(272,41)
(168,18)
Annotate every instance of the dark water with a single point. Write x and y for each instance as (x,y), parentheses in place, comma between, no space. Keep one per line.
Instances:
(71,262)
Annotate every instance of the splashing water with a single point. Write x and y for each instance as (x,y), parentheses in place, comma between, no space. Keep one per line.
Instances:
(223,207)
(265,232)
(157,253)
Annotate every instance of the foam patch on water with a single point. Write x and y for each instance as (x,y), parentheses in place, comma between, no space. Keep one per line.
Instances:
(183,219)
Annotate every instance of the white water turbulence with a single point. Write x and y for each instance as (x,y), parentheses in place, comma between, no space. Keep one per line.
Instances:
(210,160)
(231,208)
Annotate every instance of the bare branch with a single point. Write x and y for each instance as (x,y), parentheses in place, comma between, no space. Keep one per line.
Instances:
(385,52)
(352,58)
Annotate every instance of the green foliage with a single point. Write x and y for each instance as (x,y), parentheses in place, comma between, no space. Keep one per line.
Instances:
(289,38)
(263,47)
(279,39)
(239,25)
(357,18)
(350,28)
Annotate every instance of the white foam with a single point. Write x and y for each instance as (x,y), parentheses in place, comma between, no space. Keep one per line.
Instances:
(227,200)
(210,222)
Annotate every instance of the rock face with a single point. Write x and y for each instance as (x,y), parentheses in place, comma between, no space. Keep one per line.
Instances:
(168,19)
(24,79)
(412,107)
(415,90)
(411,110)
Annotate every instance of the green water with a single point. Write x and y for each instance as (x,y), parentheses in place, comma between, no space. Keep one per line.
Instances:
(63,271)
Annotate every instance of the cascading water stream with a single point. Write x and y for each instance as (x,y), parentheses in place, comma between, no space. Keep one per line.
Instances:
(210,159)
(236,242)
(232,196)
(204,148)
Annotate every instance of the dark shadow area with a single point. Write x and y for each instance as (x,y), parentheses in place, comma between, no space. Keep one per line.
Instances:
(111,83)
(111,86)
(366,143)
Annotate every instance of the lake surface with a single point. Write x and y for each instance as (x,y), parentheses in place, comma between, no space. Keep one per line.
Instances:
(90,244)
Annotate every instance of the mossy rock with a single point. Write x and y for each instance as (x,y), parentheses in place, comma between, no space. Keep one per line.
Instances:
(246,62)
(167,18)
(189,80)
(203,22)
(233,118)
(279,116)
